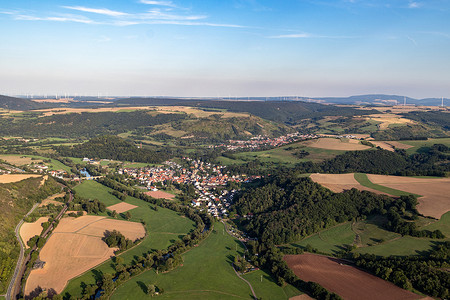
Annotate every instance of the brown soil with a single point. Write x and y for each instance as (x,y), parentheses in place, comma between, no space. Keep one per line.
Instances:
(160,195)
(391,145)
(8,178)
(121,207)
(75,247)
(435,201)
(340,182)
(28,230)
(346,281)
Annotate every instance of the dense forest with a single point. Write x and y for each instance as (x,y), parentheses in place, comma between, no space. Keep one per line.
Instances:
(113,147)
(433,118)
(18,103)
(285,208)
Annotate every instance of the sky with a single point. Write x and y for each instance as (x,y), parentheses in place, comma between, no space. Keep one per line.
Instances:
(223,48)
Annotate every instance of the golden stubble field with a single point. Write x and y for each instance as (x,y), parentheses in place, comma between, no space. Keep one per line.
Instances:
(28,230)
(121,207)
(9,178)
(336,144)
(435,191)
(340,182)
(391,145)
(76,246)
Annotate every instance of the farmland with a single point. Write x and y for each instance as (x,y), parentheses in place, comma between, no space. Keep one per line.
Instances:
(9,178)
(28,230)
(347,281)
(206,273)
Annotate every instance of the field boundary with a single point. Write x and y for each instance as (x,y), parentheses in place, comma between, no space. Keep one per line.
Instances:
(364,181)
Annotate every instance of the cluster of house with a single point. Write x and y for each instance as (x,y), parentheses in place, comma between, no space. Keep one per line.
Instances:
(205,177)
(260,141)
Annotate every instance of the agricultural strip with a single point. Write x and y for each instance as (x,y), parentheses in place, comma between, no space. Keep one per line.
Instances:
(163,226)
(206,273)
(435,201)
(121,207)
(9,178)
(340,182)
(347,281)
(365,181)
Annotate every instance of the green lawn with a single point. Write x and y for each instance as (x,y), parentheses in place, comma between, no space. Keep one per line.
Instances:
(402,246)
(137,165)
(265,287)
(364,180)
(164,227)
(206,273)
(443,225)
(371,233)
(331,240)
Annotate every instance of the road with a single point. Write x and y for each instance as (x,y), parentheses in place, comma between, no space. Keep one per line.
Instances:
(22,250)
(249,284)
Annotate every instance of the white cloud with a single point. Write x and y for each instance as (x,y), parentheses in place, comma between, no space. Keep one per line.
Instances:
(55,19)
(159,3)
(412,40)
(414,5)
(101,11)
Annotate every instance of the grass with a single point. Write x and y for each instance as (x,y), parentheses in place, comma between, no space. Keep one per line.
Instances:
(138,165)
(425,143)
(371,233)
(52,165)
(364,181)
(265,287)
(443,225)
(164,227)
(206,273)
(330,240)
(402,246)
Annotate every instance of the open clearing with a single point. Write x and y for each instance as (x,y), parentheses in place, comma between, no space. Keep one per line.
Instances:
(28,230)
(340,182)
(8,178)
(19,160)
(121,207)
(336,144)
(199,113)
(160,195)
(388,119)
(346,281)
(435,201)
(75,247)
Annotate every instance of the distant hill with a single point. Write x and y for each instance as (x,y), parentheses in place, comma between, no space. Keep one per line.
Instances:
(381,99)
(18,103)
(290,112)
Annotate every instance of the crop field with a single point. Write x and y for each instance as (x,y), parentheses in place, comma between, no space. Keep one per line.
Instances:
(74,247)
(435,201)
(340,182)
(206,273)
(121,207)
(346,281)
(364,180)
(160,195)
(336,144)
(28,230)
(8,178)
(387,120)
(391,145)
(199,113)
(163,226)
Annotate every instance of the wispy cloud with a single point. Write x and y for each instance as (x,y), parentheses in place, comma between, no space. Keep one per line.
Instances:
(100,11)
(310,36)
(414,5)
(55,19)
(412,40)
(158,3)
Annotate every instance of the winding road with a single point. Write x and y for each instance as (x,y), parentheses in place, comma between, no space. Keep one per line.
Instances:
(22,250)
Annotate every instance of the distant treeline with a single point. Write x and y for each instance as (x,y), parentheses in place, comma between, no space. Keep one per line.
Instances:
(289,112)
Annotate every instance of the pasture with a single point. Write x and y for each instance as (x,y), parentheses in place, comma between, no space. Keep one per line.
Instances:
(163,226)
(347,281)
(206,273)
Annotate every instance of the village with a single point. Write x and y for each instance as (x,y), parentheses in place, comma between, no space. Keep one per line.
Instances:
(259,142)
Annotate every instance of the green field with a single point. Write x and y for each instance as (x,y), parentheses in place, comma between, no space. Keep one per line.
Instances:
(364,181)
(428,143)
(371,233)
(164,227)
(402,246)
(52,165)
(331,240)
(206,273)
(443,225)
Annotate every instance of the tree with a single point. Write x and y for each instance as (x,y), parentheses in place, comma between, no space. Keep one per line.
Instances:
(151,289)
(128,215)
(114,214)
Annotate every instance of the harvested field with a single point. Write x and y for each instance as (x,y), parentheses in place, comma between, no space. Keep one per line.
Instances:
(301,297)
(435,191)
(337,144)
(8,178)
(346,281)
(340,182)
(18,160)
(199,113)
(75,247)
(28,230)
(51,200)
(160,195)
(388,119)
(121,207)
(390,145)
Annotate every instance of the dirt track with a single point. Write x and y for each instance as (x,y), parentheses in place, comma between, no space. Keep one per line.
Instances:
(348,282)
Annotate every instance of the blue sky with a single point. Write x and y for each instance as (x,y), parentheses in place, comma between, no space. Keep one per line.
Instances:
(225,47)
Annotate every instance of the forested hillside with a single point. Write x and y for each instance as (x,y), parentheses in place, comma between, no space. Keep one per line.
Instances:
(113,147)
(16,199)
(18,103)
